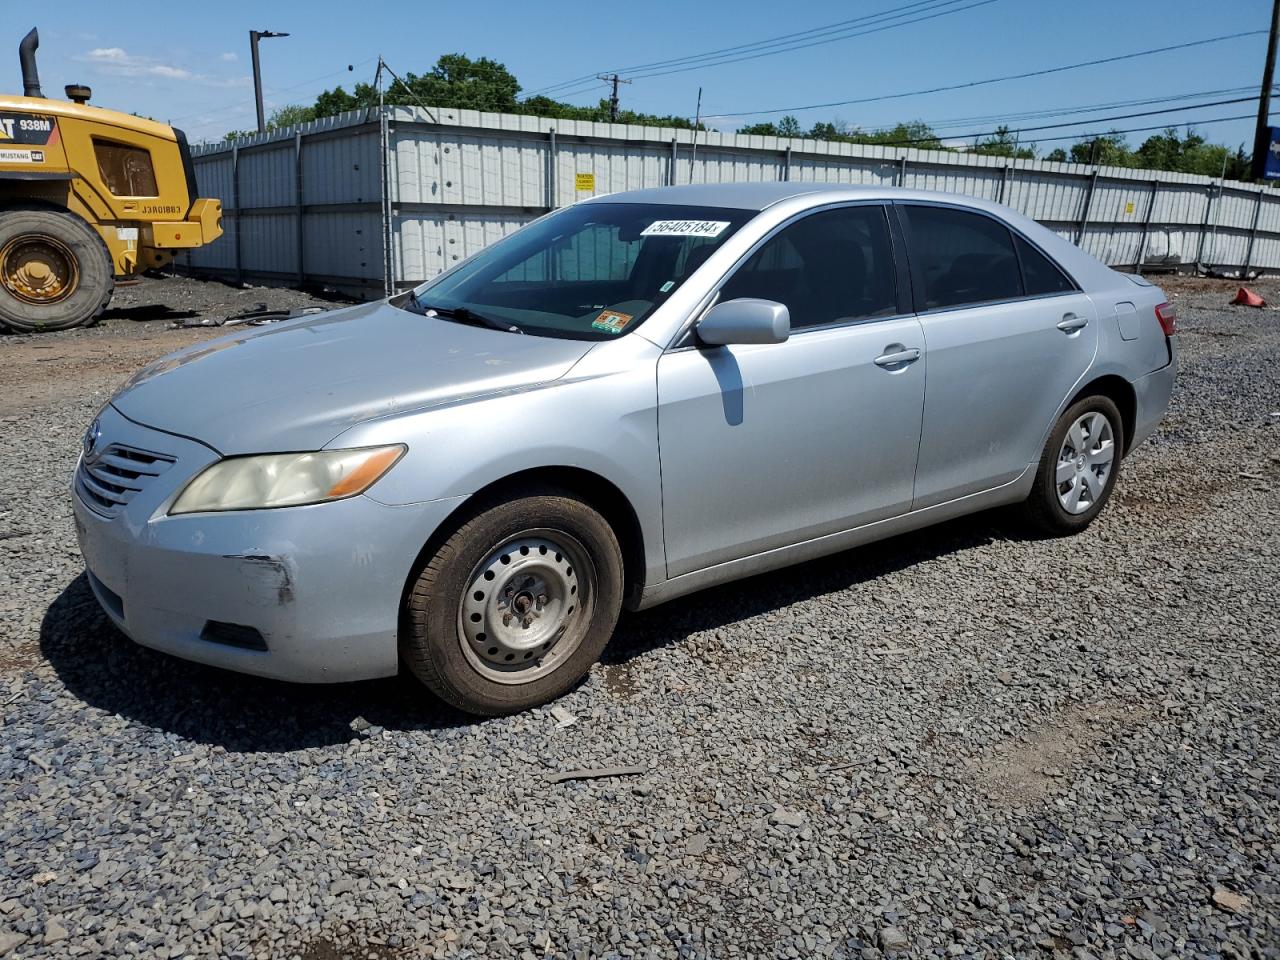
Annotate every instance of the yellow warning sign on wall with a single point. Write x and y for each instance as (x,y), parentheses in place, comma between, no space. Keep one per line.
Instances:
(584,181)
(1128,209)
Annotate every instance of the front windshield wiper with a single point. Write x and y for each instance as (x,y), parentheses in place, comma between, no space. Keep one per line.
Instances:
(464,315)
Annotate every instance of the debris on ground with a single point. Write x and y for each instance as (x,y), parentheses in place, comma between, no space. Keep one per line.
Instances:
(563,717)
(595,773)
(255,316)
(1229,900)
(1247,298)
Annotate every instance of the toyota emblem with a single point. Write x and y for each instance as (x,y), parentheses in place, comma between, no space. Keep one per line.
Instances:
(91,437)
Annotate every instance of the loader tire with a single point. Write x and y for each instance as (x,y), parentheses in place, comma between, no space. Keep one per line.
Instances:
(55,271)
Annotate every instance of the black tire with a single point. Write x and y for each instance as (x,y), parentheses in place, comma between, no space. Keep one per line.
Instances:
(1043,510)
(434,643)
(91,261)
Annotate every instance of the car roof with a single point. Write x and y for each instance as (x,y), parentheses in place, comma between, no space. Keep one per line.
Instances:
(759,196)
(1087,270)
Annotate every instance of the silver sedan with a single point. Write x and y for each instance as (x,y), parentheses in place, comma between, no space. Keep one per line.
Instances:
(627,400)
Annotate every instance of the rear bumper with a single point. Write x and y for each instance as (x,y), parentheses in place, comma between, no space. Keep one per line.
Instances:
(202,225)
(320,586)
(1153,392)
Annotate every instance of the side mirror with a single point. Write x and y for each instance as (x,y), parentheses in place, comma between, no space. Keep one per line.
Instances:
(745,321)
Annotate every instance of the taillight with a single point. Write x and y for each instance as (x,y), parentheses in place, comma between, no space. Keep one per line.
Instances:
(1167,314)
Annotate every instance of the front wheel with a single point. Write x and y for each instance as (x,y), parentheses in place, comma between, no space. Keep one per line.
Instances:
(516,605)
(1078,468)
(55,272)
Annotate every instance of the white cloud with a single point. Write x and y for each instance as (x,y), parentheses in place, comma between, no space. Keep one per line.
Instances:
(117,61)
(227,57)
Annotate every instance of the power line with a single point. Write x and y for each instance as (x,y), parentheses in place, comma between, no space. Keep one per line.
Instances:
(915,141)
(801,46)
(272,91)
(1049,112)
(1158,126)
(980,83)
(1118,116)
(829,33)
(838,25)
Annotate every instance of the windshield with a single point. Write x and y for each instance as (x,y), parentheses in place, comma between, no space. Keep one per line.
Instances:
(592,271)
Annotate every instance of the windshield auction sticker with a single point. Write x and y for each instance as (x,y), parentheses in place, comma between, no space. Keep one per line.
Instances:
(685,228)
(611,321)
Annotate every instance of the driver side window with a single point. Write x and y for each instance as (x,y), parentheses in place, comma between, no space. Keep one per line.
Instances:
(835,265)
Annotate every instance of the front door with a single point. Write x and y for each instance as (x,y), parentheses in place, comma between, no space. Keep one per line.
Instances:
(763,446)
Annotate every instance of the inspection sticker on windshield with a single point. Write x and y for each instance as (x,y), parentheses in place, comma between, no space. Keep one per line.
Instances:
(685,228)
(611,321)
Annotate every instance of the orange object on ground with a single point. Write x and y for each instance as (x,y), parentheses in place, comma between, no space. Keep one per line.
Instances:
(1247,298)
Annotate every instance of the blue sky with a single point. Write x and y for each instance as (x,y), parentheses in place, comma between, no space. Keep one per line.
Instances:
(189,64)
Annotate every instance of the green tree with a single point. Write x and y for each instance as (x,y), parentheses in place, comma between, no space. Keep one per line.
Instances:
(460,83)
(1003,143)
(286,116)
(788,126)
(1108,150)
(914,133)
(1057,154)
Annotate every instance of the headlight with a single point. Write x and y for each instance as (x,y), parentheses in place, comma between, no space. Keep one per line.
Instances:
(285,479)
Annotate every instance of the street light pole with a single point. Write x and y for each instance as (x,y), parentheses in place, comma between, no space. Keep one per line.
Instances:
(254,37)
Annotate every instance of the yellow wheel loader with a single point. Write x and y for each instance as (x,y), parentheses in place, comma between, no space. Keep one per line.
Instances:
(87,195)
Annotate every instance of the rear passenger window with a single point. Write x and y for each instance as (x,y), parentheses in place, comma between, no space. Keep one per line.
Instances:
(829,266)
(964,257)
(1039,274)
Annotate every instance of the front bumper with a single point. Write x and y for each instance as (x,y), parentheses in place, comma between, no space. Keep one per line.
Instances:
(321,585)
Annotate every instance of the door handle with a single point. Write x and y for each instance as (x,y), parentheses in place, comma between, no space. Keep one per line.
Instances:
(900,356)
(1071,323)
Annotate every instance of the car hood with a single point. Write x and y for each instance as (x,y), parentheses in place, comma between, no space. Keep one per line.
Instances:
(296,385)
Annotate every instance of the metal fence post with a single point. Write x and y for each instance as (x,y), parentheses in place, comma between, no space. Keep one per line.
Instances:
(1253,235)
(235,204)
(1146,227)
(552,168)
(1204,225)
(902,170)
(297,202)
(786,163)
(1088,209)
(1004,186)
(384,149)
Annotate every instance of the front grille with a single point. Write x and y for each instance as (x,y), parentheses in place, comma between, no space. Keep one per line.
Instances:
(108,479)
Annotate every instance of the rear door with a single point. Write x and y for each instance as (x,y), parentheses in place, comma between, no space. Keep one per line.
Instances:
(764,446)
(1008,334)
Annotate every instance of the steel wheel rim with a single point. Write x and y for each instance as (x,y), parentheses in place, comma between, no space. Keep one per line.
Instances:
(526,606)
(1085,462)
(39,269)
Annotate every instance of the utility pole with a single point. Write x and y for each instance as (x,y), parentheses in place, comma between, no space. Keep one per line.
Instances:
(254,37)
(1262,134)
(697,122)
(613,99)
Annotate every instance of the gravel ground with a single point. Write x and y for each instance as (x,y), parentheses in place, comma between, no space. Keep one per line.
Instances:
(955,743)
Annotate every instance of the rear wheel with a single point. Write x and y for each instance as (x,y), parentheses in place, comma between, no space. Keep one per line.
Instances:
(1078,468)
(515,607)
(55,271)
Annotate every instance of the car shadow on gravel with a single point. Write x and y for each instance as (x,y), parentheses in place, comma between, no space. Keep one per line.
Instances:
(742,599)
(106,670)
